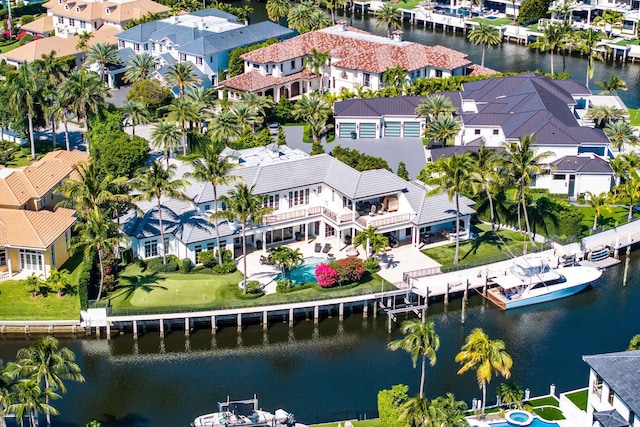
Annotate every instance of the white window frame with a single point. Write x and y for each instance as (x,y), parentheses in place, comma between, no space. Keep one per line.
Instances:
(151,249)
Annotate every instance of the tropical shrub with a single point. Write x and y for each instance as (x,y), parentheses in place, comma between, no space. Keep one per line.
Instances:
(150,93)
(532,10)
(156,265)
(372,265)
(186,266)
(349,270)
(326,276)
(359,161)
(207,259)
(225,268)
(84,281)
(284,286)
(389,403)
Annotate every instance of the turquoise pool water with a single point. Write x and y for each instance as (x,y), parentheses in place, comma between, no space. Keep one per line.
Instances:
(536,423)
(306,272)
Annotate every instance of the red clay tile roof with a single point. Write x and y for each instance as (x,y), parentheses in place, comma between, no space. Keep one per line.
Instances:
(253,81)
(478,70)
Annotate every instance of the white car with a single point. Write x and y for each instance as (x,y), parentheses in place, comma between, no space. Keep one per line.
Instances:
(274,128)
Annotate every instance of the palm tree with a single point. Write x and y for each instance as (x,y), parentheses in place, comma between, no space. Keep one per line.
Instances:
(52,70)
(552,37)
(166,136)
(486,35)
(243,206)
(608,19)
(246,116)
(613,85)
(259,103)
(182,111)
(277,9)
(486,356)
(316,63)
(620,133)
(603,114)
(96,233)
(332,5)
(396,76)
(417,412)
(388,16)
(452,175)
(443,129)
(33,283)
(634,344)
(371,240)
(203,99)
(103,54)
(522,165)
(182,75)
(24,94)
(140,66)
(588,41)
(511,394)
(59,112)
(31,401)
(58,281)
(629,191)
(300,17)
(599,202)
(420,339)
(213,168)
(485,165)
(49,365)
(83,43)
(285,258)
(86,93)
(315,111)
(155,183)
(135,113)
(318,19)
(434,105)
(224,126)
(624,166)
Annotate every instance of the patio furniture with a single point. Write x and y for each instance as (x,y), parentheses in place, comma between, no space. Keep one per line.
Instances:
(317,247)
(352,252)
(372,212)
(326,248)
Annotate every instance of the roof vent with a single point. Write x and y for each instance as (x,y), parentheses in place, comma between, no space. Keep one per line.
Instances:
(342,23)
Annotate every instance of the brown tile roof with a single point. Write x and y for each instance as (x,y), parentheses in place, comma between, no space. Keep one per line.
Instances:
(119,12)
(253,81)
(478,70)
(356,51)
(32,229)
(17,186)
(43,26)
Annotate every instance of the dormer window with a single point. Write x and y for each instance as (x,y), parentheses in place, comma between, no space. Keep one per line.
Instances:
(107,11)
(60,1)
(66,7)
(77,9)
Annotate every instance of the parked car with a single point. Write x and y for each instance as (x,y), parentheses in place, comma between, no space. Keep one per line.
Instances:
(274,128)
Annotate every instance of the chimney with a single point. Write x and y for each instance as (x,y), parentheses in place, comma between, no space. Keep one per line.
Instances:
(343,24)
(201,24)
(176,19)
(397,36)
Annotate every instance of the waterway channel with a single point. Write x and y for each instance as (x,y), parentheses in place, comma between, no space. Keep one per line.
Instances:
(334,371)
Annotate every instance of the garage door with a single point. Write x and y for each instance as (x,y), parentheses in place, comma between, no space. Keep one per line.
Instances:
(411,129)
(367,130)
(392,129)
(346,129)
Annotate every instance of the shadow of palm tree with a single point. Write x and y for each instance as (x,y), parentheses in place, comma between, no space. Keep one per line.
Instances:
(144,282)
(489,238)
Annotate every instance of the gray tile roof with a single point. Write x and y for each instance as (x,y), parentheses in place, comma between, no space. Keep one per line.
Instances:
(434,208)
(610,418)
(621,371)
(377,107)
(583,164)
(449,151)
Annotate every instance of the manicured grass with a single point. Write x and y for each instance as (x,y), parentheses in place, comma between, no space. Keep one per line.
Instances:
(486,245)
(627,42)
(23,156)
(634,116)
(544,401)
(549,414)
(579,398)
(608,219)
(374,422)
(16,303)
(6,48)
(496,22)
(408,4)
(72,265)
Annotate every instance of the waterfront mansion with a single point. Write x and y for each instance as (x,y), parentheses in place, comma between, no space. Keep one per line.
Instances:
(314,198)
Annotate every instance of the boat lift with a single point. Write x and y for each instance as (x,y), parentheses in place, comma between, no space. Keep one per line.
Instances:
(393,307)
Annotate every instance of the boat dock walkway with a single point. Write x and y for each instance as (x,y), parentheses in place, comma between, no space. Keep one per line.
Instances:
(616,238)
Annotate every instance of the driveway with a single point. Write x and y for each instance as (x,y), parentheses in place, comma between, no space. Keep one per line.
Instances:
(393,150)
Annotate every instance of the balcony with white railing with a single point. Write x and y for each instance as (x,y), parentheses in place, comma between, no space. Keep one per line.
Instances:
(384,220)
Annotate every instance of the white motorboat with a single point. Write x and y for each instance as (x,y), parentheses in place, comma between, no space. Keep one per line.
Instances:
(531,280)
(245,413)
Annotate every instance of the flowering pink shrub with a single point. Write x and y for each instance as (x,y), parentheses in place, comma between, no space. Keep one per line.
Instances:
(21,34)
(327,277)
(350,270)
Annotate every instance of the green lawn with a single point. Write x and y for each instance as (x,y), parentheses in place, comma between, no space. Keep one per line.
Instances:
(7,47)
(16,303)
(407,4)
(549,414)
(544,401)
(608,219)
(579,398)
(23,156)
(144,291)
(375,422)
(627,42)
(496,22)
(634,116)
(487,245)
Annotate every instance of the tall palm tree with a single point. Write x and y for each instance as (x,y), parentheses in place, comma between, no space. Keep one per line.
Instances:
(434,105)
(204,100)
(135,113)
(600,203)
(603,114)
(30,398)
(183,112)
(486,356)
(166,136)
(53,71)
(316,63)
(259,103)
(224,126)
(624,166)
(396,76)
(59,112)
(24,95)
(522,165)
(83,43)
(608,19)
(213,168)
(49,365)
(485,165)
(300,17)
(246,116)
(103,54)
(613,85)
(96,234)
(629,192)
(552,37)
(314,111)
(452,175)
(620,133)
(182,75)
(443,129)
(511,394)
(588,41)
(86,93)
(371,240)
(417,412)
(388,16)
(244,207)
(420,339)
(277,9)
(485,35)
(156,182)
(140,66)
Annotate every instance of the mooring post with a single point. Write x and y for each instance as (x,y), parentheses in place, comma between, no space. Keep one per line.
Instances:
(365,309)
(446,295)
(98,331)
(135,329)
(426,298)
(108,331)
(464,301)
(186,327)
(265,322)
(239,322)
(341,312)
(161,328)
(213,325)
(316,314)
(291,317)
(389,322)
(375,309)
(486,283)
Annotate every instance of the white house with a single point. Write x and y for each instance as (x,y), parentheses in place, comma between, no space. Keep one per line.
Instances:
(614,381)
(576,175)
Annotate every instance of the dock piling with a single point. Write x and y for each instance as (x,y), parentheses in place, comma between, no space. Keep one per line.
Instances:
(239,322)
(135,330)
(213,325)
(341,312)
(365,309)
(186,327)
(291,317)
(265,321)
(316,314)
(161,328)
(108,331)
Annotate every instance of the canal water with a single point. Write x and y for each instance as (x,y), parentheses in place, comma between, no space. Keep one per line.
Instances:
(334,371)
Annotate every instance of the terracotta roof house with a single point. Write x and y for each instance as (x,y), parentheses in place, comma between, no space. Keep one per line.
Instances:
(68,18)
(614,380)
(321,198)
(358,59)
(34,235)
(203,37)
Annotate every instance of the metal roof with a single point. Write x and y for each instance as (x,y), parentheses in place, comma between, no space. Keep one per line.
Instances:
(395,106)
(584,164)
(434,208)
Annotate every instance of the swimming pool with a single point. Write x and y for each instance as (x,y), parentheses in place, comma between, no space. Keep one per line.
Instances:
(305,272)
(537,422)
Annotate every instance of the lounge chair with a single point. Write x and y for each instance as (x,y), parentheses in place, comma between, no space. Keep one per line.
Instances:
(326,248)
(317,247)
